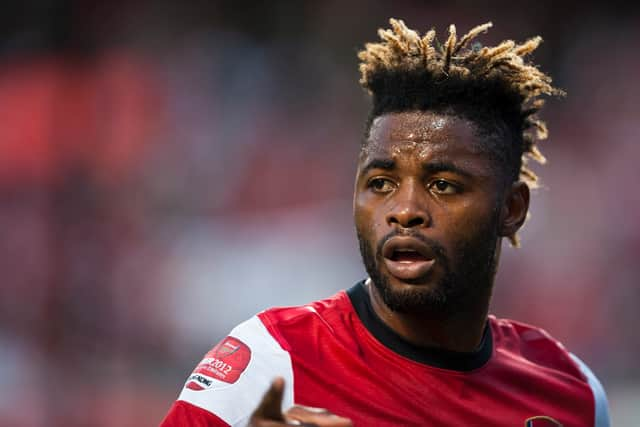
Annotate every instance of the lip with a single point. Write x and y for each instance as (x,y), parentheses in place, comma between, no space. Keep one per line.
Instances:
(407,270)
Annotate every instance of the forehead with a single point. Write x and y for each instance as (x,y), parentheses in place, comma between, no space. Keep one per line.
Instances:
(422,134)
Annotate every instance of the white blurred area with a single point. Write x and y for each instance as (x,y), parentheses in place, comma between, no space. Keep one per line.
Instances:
(230,270)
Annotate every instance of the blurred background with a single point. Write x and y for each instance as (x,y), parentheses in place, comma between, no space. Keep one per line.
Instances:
(168,169)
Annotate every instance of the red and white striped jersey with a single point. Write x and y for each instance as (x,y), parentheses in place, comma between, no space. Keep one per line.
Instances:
(337,354)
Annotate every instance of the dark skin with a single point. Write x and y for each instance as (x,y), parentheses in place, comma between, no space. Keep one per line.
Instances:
(429,174)
(269,412)
(426,180)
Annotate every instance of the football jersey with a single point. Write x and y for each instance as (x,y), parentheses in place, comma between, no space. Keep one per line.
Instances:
(339,355)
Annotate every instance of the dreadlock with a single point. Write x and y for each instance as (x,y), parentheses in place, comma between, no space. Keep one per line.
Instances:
(492,86)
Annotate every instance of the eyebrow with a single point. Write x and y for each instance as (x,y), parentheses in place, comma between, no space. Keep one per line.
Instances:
(385,164)
(430,168)
(435,167)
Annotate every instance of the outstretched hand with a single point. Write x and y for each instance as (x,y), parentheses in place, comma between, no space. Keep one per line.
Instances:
(269,412)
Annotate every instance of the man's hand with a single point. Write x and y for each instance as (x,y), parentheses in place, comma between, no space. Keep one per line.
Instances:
(269,412)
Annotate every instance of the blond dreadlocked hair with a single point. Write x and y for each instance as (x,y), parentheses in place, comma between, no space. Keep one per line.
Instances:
(492,86)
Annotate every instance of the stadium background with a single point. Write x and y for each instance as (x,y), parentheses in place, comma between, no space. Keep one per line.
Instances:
(168,169)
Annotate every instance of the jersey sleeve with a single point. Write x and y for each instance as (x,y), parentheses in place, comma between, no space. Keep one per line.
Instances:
(601,415)
(227,385)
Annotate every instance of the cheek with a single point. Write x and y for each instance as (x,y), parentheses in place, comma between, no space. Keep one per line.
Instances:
(468,218)
(367,215)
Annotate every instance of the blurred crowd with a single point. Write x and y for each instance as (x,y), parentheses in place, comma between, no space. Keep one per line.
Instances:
(167,170)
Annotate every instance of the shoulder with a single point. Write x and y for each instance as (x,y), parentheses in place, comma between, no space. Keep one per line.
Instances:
(325,308)
(534,344)
(230,380)
(291,326)
(538,348)
(232,377)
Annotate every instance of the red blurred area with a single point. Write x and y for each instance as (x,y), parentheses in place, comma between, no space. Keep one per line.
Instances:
(63,113)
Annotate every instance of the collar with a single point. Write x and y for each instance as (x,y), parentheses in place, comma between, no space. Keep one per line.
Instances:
(435,357)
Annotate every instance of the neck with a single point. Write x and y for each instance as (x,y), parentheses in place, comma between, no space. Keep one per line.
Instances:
(460,331)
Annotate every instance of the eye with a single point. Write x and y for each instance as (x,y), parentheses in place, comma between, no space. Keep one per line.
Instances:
(440,186)
(381,185)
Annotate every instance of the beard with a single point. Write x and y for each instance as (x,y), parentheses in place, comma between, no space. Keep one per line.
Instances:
(465,276)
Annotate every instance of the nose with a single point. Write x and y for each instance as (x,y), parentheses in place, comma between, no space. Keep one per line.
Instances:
(409,210)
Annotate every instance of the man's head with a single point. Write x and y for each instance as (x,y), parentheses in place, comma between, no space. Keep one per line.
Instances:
(442,173)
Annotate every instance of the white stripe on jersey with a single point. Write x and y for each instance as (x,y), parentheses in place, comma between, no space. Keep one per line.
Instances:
(234,403)
(600,397)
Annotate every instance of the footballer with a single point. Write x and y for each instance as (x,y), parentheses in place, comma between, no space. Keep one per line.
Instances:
(442,178)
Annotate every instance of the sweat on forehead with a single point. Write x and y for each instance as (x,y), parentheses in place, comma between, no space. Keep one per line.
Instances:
(422,127)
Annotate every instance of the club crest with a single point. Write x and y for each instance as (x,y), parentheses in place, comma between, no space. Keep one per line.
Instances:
(541,421)
(223,364)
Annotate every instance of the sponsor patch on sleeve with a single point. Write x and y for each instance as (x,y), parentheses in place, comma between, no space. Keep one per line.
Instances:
(224,363)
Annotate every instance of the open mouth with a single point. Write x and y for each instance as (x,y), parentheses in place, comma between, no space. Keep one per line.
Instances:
(407,258)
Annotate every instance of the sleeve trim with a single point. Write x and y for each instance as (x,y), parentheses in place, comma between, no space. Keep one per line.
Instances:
(599,395)
(233,403)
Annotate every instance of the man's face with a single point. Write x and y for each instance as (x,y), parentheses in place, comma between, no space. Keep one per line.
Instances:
(426,208)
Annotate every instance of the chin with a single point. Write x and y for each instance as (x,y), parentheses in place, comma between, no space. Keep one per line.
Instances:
(415,296)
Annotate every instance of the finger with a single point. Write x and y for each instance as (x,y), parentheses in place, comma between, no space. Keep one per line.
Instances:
(291,422)
(316,416)
(270,407)
(268,423)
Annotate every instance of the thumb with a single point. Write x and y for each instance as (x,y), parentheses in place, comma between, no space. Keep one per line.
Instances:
(270,408)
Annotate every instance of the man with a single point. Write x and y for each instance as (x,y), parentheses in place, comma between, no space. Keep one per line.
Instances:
(441,180)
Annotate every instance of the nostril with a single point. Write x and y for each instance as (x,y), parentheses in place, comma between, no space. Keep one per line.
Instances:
(408,216)
(406,221)
(414,222)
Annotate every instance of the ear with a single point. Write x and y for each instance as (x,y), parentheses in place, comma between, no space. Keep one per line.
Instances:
(514,209)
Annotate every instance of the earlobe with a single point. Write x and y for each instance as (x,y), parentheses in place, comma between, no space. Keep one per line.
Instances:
(514,209)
